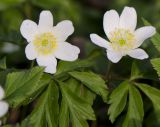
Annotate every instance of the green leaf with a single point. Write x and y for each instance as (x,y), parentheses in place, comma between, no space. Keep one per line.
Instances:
(156,41)
(135,112)
(93,82)
(3,63)
(81,91)
(52,106)
(64,66)
(64,114)
(47,109)
(78,104)
(3,75)
(142,70)
(156,64)
(37,118)
(77,120)
(80,109)
(156,38)
(146,22)
(118,100)
(20,86)
(152,93)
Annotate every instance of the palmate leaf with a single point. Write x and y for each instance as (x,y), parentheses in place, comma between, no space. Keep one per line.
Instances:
(20,86)
(135,112)
(77,107)
(82,92)
(118,100)
(156,64)
(46,111)
(93,82)
(78,104)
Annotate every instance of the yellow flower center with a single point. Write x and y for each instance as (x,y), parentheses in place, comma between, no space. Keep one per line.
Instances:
(122,39)
(45,43)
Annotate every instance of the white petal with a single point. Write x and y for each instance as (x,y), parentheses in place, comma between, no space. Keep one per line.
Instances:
(62,30)
(138,54)
(128,18)
(114,56)
(67,52)
(46,60)
(28,29)
(96,39)
(144,33)
(3,108)
(31,54)
(110,21)
(45,21)
(1,93)
(51,69)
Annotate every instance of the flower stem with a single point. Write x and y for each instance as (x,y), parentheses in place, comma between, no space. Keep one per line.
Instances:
(32,64)
(109,68)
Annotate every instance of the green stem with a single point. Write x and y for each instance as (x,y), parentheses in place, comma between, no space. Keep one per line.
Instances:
(109,68)
(32,64)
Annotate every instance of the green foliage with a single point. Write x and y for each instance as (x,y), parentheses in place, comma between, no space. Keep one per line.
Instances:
(142,70)
(20,86)
(152,93)
(47,108)
(155,40)
(117,100)
(64,66)
(64,114)
(82,92)
(156,64)
(135,112)
(80,110)
(93,82)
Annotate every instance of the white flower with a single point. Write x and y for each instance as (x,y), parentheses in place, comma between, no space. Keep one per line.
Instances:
(48,42)
(124,39)
(3,105)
